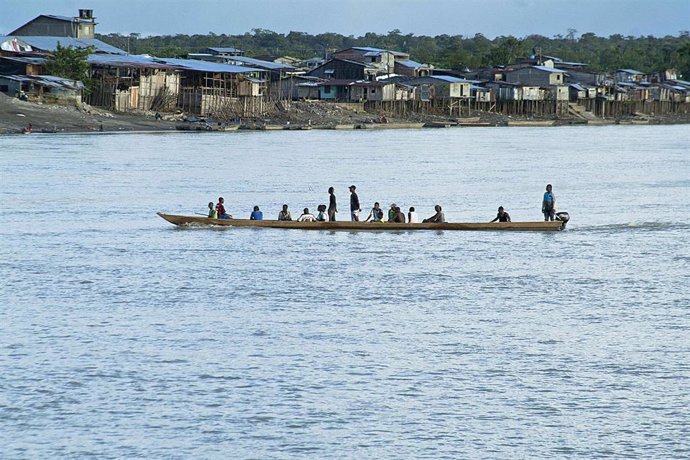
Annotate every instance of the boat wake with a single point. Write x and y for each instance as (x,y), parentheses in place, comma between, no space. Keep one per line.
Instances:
(636,226)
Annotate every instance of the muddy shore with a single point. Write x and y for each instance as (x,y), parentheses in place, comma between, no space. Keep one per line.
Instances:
(16,116)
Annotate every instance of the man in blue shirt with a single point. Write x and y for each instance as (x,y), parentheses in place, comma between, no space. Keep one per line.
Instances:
(548,204)
(256,214)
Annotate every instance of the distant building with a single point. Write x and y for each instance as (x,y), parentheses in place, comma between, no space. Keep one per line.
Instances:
(536,75)
(380,59)
(82,26)
(362,91)
(412,68)
(344,69)
(224,51)
(586,77)
(628,76)
(444,86)
(43,88)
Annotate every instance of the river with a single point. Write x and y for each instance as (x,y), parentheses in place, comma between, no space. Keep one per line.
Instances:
(123,336)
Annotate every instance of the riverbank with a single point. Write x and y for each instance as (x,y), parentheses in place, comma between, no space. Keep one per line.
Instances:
(16,116)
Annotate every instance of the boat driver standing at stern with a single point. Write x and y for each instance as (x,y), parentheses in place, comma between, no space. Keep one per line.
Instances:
(548,204)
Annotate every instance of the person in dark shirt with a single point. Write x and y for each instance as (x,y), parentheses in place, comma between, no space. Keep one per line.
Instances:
(355,208)
(332,207)
(502,216)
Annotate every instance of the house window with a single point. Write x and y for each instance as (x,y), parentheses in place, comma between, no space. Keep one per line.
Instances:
(558,77)
(373,90)
(327,89)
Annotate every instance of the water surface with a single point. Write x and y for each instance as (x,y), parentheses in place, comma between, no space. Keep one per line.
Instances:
(123,336)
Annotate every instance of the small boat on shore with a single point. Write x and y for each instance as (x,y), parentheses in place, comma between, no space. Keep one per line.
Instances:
(347,225)
(401,125)
(207,127)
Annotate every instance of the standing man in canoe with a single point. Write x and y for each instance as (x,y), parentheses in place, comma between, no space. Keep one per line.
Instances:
(548,204)
(355,208)
(332,207)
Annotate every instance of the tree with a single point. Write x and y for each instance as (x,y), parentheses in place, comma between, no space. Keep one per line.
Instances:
(72,63)
(684,60)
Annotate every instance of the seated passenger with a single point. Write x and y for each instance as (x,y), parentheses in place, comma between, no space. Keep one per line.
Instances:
(376,214)
(502,216)
(437,218)
(391,211)
(412,216)
(398,216)
(220,208)
(322,216)
(284,214)
(212,213)
(306,216)
(256,214)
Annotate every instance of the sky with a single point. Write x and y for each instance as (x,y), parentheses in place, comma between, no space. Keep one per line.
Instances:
(356,17)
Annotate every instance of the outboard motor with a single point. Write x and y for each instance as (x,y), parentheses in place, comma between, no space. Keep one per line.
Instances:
(563,217)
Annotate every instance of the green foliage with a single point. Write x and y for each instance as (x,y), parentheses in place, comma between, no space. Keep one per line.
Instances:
(68,62)
(647,54)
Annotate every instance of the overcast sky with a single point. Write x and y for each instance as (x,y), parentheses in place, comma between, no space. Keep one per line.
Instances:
(356,17)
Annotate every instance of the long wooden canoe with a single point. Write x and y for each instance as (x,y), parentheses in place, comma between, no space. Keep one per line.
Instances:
(346,225)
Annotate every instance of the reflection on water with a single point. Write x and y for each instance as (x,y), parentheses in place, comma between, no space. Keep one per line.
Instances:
(126,337)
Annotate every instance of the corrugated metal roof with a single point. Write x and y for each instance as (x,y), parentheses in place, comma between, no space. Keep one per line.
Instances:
(47,80)
(377,84)
(367,48)
(205,66)
(630,71)
(47,43)
(374,51)
(66,18)
(349,61)
(547,69)
(25,60)
(410,64)
(225,50)
(259,63)
(449,78)
(338,82)
(127,61)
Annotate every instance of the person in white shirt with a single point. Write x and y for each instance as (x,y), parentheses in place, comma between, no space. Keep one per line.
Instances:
(322,216)
(412,216)
(306,216)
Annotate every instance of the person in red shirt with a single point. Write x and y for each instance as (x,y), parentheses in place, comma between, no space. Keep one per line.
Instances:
(221,209)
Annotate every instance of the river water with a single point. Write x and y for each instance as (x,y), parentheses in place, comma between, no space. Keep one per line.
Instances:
(123,336)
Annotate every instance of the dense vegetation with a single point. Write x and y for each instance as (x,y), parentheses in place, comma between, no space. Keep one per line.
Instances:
(456,52)
(71,63)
